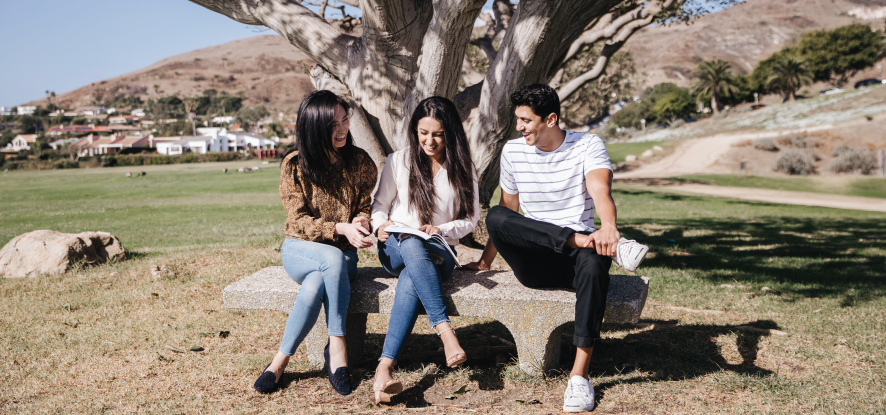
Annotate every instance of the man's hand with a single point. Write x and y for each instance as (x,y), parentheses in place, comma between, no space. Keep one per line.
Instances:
(430,229)
(355,232)
(478,266)
(380,232)
(605,240)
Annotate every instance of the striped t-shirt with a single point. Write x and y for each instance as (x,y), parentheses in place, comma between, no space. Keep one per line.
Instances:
(551,185)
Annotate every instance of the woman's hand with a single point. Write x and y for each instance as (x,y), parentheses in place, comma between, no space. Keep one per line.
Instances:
(430,229)
(355,232)
(382,235)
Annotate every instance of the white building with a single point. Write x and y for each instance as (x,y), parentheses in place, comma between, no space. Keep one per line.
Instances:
(138,112)
(5,111)
(222,120)
(59,143)
(26,110)
(195,144)
(228,141)
(22,142)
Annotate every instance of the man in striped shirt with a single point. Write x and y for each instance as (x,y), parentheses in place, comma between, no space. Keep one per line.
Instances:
(558,178)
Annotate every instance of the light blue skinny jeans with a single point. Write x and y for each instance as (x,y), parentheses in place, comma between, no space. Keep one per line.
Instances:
(324,273)
(420,283)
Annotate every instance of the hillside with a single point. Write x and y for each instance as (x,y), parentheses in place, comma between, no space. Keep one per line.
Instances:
(743,34)
(269,71)
(266,69)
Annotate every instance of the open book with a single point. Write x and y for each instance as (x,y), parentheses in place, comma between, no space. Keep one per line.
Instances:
(420,234)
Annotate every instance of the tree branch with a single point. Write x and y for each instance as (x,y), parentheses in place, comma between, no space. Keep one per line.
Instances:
(303,28)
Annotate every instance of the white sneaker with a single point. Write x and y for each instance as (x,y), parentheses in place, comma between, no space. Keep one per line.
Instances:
(579,396)
(629,254)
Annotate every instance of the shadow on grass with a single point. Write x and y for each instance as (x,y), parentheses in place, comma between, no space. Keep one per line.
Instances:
(805,256)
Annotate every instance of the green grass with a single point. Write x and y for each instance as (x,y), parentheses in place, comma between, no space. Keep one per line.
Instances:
(850,186)
(91,340)
(618,151)
(171,206)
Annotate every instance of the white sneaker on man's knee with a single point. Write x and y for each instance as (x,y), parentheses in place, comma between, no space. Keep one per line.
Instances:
(579,396)
(629,254)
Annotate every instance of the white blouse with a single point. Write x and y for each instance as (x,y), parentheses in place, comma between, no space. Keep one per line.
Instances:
(391,200)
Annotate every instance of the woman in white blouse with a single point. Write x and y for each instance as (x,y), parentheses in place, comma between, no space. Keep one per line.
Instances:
(430,186)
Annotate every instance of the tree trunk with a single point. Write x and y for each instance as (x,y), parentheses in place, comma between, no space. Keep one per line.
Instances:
(714,107)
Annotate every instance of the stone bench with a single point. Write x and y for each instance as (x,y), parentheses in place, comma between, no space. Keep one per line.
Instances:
(533,316)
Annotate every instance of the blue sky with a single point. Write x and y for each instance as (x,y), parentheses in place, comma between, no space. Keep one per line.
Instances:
(61,45)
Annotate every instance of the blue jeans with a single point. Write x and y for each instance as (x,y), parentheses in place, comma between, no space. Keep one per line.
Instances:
(421,267)
(324,273)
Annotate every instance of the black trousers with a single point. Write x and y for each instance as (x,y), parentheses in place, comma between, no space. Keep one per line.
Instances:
(538,254)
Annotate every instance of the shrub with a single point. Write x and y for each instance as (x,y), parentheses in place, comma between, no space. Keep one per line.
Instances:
(796,141)
(793,162)
(840,150)
(66,164)
(854,160)
(189,158)
(765,144)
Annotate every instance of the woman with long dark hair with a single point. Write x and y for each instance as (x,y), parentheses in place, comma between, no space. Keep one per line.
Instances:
(326,187)
(429,186)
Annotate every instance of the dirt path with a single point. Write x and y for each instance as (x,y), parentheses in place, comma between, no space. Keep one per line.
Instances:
(700,155)
(772,196)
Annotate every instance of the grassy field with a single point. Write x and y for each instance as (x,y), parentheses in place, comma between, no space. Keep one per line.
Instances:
(618,151)
(849,186)
(753,307)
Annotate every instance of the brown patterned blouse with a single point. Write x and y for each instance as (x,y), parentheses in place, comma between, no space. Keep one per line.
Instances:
(312,211)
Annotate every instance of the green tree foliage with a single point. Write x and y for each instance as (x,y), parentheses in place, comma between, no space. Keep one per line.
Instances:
(29,124)
(715,79)
(251,115)
(788,74)
(592,100)
(631,114)
(674,105)
(836,55)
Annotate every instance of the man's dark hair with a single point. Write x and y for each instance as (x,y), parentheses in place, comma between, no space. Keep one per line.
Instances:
(540,97)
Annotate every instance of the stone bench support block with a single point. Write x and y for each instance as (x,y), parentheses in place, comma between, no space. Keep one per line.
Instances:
(534,317)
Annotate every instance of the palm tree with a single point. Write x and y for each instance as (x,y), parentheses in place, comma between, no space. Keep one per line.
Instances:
(714,78)
(788,74)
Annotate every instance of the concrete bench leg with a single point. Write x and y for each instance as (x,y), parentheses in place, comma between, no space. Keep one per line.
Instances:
(538,345)
(355,335)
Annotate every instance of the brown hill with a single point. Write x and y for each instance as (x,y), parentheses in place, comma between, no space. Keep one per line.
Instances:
(743,34)
(267,70)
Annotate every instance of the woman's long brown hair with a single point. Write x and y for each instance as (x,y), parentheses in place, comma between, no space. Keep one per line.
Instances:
(422,195)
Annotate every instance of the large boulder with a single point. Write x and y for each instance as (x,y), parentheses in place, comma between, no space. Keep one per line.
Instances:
(51,253)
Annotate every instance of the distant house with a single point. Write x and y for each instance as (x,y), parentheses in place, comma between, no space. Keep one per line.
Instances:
(87,111)
(229,141)
(138,112)
(5,111)
(59,143)
(26,110)
(222,120)
(121,119)
(131,129)
(22,142)
(193,144)
(93,145)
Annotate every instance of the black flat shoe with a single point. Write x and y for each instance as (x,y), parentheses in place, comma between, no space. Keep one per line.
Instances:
(266,382)
(341,379)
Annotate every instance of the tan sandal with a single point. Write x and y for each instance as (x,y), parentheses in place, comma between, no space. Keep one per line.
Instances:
(457,358)
(392,387)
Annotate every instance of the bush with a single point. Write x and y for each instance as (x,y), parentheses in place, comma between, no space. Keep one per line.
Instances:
(795,141)
(66,164)
(840,150)
(793,162)
(189,158)
(854,160)
(765,144)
